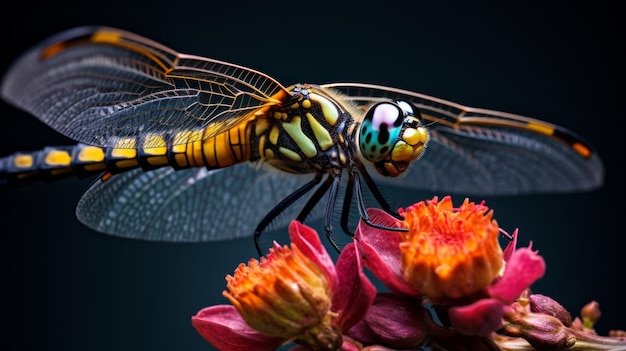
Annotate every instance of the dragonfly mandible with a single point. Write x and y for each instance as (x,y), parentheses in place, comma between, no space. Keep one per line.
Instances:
(192,149)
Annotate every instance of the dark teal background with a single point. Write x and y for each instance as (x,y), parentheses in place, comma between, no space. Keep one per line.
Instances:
(67,287)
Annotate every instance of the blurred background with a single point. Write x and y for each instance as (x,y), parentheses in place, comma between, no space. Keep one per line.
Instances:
(67,287)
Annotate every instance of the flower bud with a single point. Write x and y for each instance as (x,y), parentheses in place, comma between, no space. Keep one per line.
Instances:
(542,331)
(546,305)
(590,314)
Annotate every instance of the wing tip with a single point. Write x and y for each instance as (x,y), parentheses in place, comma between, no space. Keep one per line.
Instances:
(49,47)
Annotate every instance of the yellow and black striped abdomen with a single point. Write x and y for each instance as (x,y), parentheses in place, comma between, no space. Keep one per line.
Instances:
(182,150)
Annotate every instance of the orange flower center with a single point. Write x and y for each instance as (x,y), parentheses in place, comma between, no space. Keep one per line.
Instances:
(450,253)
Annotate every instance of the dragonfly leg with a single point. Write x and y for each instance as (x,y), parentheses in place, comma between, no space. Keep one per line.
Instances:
(347,201)
(330,207)
(315,198)
(282,205)
(377,194)
(363,212)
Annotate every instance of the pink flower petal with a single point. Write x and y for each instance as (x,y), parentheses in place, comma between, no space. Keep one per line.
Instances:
(510,248)
(481,318)
(308,241)
(523,268)
(223,327)
(354,294)
(381,249)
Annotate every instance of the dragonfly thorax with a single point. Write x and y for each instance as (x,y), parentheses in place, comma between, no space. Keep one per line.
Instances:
(391,136)
(309,132)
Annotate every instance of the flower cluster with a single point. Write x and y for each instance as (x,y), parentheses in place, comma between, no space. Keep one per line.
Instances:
(450,287)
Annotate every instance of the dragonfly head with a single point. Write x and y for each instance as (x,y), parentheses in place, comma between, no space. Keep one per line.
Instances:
(391,136)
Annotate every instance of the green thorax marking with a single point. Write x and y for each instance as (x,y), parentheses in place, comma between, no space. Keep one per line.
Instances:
(309,132)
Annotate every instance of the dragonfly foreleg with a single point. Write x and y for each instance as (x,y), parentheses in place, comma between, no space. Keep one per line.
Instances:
(377,194)
(362,210)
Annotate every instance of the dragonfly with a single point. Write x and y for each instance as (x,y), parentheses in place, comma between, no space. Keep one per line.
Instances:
(193,149)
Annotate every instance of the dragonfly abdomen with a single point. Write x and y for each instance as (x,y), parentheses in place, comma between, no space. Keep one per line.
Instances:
(183,150)
(52,163)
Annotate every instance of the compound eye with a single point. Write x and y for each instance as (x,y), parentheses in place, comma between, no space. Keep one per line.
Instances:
(409,109)
(380,130)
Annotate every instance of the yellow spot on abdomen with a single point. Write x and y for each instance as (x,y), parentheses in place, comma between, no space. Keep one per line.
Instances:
(155,145)
(179,149)
(91,154)
(124,153)
(125,148)
(58,158)
(23,161)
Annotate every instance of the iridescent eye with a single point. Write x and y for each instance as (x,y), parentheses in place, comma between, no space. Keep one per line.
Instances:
(380,130)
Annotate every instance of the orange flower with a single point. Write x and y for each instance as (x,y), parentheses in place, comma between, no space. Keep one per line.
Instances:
(295,295)
(283,295)
(448,252)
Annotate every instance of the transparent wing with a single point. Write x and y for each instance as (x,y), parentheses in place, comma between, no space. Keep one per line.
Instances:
(479,151)
(189,205)
(99,85)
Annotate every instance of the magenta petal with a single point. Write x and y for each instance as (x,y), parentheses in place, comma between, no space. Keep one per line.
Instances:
(510,248)
(308,242)
(523,268)
(355,293)
(481,318)
(223,327)
(381,249)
